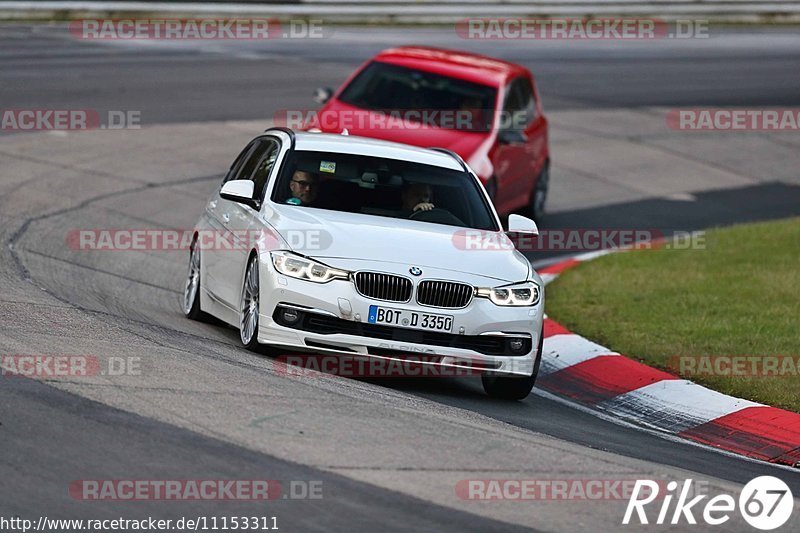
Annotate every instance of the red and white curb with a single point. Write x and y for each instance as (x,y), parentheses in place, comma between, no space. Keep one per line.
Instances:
(599,378)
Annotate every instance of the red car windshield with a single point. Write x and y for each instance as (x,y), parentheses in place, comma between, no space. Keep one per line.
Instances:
(415,95)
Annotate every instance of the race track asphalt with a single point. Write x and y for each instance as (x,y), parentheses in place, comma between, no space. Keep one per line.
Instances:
(388,452)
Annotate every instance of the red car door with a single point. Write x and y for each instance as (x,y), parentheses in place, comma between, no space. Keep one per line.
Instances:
(521,150)
(536,134)
(512,157)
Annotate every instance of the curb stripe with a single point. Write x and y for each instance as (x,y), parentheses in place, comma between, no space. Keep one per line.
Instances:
(674,405)
(551,327)
(559,267)
(602,378)
(763,432)
(562,351)
(547,278)
(590,374)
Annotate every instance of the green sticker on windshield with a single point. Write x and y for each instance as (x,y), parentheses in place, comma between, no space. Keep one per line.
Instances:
(327,166)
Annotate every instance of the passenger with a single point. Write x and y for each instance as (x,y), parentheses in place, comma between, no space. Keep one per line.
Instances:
(304,186)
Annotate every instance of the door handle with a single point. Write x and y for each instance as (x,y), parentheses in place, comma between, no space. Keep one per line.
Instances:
(226,217)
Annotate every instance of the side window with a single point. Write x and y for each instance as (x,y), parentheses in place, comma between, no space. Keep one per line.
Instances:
(237,163)
(528,100)
(254,164)
(519,109)
(261,174)
(248,168)
(512,107)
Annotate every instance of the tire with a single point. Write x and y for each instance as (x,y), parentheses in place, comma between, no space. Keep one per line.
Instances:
(191,290)
(248,315)
(536,207)
(513,387)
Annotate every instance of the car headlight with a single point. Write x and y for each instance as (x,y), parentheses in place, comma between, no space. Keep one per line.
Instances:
(297,266)
(517,295)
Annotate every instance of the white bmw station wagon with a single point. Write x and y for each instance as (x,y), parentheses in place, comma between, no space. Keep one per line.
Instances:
(337,244)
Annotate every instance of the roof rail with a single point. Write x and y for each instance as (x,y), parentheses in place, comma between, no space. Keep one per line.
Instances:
(451,154)
(287,131)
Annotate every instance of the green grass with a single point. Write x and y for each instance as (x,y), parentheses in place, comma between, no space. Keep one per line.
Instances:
(738,296)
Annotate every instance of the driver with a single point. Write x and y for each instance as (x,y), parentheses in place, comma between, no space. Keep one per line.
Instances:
(304,187)
(417,197)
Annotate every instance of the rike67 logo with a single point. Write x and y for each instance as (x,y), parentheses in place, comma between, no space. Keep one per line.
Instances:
(765,503)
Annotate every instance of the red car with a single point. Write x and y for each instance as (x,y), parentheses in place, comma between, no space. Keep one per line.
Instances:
(486,110)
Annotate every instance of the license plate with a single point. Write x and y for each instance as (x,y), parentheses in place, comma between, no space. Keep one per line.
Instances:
(409,319)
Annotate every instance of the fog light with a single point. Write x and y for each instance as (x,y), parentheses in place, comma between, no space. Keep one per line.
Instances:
(516,345)
(290,316)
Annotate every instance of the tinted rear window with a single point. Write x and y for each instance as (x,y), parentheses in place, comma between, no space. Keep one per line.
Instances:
(390,89)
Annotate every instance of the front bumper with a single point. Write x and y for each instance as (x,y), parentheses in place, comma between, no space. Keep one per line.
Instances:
(332,318)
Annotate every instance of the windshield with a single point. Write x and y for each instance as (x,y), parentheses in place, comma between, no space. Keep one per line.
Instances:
(447,102)
(383,187)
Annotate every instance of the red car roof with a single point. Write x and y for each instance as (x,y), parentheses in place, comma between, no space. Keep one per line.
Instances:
(463,65)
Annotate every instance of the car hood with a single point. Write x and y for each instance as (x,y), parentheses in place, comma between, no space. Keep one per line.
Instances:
(337,116)
(337,238)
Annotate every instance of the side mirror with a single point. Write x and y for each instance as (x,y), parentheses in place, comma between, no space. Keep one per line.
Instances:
(240,191)
(511,137)
(520,224)
(322,95)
